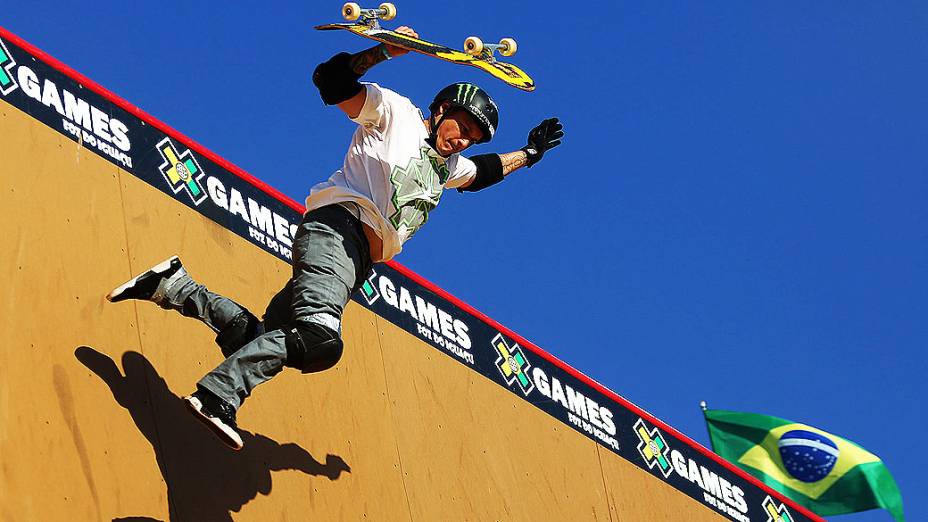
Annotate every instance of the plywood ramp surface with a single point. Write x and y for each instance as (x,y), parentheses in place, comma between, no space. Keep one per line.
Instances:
(91,422)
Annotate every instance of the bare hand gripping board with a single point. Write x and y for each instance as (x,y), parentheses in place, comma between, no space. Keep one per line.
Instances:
(479,55)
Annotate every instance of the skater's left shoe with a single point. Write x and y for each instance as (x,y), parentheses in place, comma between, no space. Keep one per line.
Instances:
(217,414)
(151,284)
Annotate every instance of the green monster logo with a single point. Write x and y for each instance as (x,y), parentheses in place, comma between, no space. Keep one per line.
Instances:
(7,83)
(466,92)
(417,190)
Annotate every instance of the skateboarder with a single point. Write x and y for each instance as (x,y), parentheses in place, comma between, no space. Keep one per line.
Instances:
(392,177)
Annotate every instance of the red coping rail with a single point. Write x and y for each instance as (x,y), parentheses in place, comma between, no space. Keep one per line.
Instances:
(271,191)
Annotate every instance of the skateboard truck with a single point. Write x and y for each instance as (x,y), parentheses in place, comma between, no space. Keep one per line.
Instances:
(352,11)
(475,47)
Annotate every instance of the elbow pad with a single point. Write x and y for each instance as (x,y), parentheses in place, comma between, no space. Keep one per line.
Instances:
(489,172)
(335,79)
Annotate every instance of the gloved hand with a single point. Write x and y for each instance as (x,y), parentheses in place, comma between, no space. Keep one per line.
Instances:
(544,137)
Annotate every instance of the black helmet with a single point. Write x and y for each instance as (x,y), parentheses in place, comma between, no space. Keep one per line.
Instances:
(475,101)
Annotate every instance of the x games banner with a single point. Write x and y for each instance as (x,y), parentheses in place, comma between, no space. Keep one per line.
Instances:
(137,143)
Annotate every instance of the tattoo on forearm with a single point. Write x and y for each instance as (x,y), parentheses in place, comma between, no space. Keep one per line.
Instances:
(513,161)
(364,60)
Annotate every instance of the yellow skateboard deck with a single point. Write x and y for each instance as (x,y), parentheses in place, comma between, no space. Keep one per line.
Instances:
(504,71)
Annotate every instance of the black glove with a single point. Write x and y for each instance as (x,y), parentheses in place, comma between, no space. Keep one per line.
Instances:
(544,137)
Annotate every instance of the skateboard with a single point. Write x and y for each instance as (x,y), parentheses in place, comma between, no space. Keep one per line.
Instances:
(476,53)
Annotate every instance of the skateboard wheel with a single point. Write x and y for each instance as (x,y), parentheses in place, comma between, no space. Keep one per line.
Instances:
(473,45)
(351,11)
(507,47)
(389,11)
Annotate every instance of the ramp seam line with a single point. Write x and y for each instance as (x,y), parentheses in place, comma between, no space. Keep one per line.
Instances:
(172,508)
(602,473)
(386,384)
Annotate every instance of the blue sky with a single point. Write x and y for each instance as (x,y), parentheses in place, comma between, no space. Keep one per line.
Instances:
(739,212)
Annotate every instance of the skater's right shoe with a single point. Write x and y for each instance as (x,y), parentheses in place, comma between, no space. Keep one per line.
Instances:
(217,414)
(151,284)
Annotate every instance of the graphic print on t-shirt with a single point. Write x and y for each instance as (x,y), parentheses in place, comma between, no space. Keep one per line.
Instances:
(417,190)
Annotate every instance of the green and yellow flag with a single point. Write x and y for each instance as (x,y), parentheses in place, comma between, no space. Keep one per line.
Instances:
(823,472)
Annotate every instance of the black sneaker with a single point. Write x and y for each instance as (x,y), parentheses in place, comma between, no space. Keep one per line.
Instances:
(217,414)
(145,285)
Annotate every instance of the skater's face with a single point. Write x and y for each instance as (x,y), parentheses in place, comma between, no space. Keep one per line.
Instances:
(456,132)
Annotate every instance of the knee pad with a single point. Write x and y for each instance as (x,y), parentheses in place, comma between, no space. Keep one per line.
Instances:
(239,332)
(312,347)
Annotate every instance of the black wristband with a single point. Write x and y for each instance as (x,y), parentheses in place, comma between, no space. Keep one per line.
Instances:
(532,155)
(489,172)
(335,79)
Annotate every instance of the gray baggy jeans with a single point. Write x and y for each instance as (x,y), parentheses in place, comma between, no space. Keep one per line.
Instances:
(331,259)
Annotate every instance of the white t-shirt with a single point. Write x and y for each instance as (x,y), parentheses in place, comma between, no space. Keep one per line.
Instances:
(390,172)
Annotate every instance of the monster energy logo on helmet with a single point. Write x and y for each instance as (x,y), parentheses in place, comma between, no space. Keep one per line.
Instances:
(466,92)
(475,101)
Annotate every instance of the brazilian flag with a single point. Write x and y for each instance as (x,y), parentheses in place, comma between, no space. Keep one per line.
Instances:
(823,472)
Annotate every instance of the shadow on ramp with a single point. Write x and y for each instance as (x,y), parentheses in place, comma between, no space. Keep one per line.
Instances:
(205,480)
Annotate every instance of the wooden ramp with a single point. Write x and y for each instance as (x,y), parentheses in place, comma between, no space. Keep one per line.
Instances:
(419,421)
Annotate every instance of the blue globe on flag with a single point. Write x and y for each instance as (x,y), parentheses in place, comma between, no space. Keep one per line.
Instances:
(807,456)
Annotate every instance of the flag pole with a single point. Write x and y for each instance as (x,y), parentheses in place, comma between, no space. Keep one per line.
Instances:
(703,406)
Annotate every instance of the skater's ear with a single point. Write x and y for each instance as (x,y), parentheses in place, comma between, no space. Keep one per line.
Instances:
(442,109)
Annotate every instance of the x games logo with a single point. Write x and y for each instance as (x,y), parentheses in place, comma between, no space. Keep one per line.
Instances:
(512,364)
(181,171)
(776,512)
(370,290)
(7,83)
(653,448)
